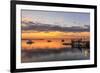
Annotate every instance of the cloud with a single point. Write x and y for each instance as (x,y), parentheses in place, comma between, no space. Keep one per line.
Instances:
(38,26)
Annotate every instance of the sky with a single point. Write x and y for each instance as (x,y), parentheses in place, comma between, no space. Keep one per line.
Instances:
(65,19)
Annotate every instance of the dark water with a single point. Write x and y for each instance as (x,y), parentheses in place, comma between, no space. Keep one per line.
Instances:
(65,54)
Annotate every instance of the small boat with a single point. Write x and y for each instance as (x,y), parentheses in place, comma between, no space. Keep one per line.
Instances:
(49,41)
(29,42)
(66,43)
(62,40)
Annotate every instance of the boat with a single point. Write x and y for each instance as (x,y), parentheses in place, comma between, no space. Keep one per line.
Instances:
(29,42)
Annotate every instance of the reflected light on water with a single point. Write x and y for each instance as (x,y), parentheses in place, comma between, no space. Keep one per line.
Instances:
(44,44)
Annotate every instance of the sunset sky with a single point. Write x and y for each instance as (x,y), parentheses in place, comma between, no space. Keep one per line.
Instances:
(47,24)
(65,19)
